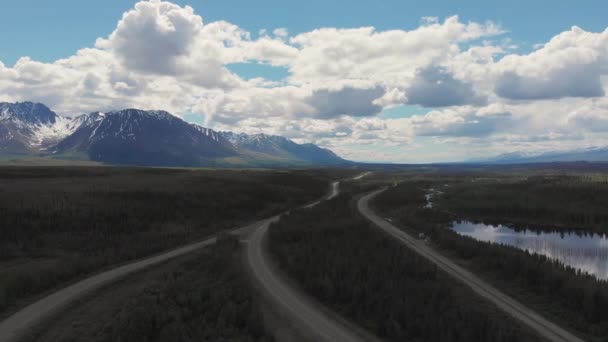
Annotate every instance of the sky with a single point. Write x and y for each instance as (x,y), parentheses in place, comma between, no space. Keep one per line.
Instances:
(382,80)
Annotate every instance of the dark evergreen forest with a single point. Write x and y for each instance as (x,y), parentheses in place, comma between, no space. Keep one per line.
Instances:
(58,224)
(354,269)
(204,298)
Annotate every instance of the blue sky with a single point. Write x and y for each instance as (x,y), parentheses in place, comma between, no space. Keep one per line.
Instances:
(522,75)
(48,30)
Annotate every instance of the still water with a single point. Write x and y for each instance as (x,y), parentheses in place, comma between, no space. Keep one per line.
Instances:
(588,253)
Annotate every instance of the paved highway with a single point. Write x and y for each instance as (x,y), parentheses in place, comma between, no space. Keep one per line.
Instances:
(530,318)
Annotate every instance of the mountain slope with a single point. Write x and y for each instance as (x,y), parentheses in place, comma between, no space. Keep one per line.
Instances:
(281,148)
(27,128)
(148,138)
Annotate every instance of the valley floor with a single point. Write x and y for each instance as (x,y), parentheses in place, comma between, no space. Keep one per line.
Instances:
(338,270)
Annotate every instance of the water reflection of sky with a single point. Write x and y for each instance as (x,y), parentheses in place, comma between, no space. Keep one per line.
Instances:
(588,253)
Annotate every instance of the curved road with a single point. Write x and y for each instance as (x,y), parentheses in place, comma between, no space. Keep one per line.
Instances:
(15,327)
(317,322)
(530,318)
(332,193)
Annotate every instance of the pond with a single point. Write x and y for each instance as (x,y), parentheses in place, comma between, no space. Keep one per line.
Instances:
(588,253)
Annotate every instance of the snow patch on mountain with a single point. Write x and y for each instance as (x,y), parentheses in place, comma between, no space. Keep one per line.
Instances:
(44,135)
(208,132)
(5,113)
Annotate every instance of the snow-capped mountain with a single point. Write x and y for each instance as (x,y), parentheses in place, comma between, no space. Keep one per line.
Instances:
(138,137)
(28,127)
(27,113)
(262,143)
(282,147)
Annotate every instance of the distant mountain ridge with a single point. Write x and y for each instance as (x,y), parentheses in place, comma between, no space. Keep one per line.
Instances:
(282,147)
(592,154)
(147,138)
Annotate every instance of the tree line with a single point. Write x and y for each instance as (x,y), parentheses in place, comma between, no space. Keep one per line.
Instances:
(550,202)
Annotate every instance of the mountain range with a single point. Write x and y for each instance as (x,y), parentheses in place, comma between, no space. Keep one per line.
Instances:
(145,138)
(592,154)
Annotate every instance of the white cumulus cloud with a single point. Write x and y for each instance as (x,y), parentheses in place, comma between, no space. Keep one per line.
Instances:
(481,95)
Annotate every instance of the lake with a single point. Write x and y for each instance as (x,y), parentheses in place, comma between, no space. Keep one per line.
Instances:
(588,253)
